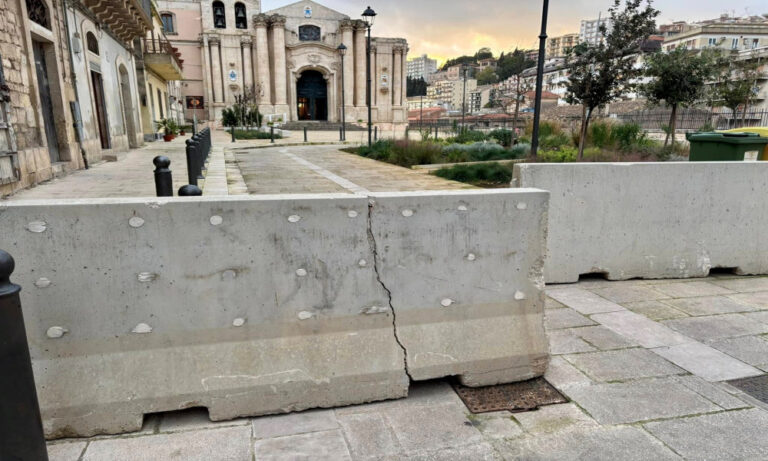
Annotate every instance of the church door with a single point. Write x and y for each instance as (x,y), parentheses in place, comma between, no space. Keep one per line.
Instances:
(312,95)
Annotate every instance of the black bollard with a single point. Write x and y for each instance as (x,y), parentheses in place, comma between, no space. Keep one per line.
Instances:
(192,160)
(21,427)
(190,191)
(232,131)
(305,134)
(341,134)
(272,134)
(163,177)
(375,133)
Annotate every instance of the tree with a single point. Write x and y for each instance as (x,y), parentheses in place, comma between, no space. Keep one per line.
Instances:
(736,84)
(458,61)
(483,53)
(416,87)
(513,64)
(678,78)
(603,72)
(487,76)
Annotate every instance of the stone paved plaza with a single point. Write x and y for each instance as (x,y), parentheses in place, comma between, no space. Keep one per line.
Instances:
(643,363)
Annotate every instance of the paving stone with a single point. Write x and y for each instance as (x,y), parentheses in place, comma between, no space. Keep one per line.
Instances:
(715,392)
(583,301)
(692,289)
(563,375)
(636,401)
(749,349)
(710,305)
(68,451)
(758,300)
(640,329)
(496,425)
(550,303)
(655,310)
(707,362)
(628,294)
(481,452)
(566,342)
(761,316)
(228,443)
(558,319)
(196,418)
(622,365)
(729,435)
(294,423)
(432,427)
(743,285)
(368,435)
(554,418)
(717,327)
(603,338)
(326,445)
(603,444)
(430,393)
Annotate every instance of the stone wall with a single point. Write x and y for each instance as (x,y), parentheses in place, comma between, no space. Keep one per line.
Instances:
(652,220)
(270,304)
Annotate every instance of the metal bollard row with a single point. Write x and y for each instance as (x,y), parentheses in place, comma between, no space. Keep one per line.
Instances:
(198,151)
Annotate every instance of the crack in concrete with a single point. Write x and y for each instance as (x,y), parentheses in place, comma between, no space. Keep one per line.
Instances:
(374,249)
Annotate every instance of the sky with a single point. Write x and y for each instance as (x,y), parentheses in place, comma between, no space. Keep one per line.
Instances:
(444,29)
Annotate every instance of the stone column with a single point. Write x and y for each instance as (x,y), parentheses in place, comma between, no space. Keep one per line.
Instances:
(404,78)
(278,56)
(397,76)
(207,83)
(216,77)
(263,80)
(246,45)
(347,38)
(359,49)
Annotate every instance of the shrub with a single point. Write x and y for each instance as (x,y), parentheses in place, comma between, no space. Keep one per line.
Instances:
(546,128)
(555,141)
(468,136)
(487,174)
(521,150)
(419,153)
(503,137)
(600,134)
(477,152)
(380,150)
(563,155)
(627,135)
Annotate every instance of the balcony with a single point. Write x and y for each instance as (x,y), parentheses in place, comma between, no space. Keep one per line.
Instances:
(162,58)
(128,19)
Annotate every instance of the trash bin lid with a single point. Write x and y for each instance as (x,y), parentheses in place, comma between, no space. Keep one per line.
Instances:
(728,138)
(762,131)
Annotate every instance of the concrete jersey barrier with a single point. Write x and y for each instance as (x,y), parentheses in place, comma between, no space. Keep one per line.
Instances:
(271,304)
(652,220)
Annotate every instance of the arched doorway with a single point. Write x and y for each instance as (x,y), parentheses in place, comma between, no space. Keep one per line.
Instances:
(128,110)
(312,96)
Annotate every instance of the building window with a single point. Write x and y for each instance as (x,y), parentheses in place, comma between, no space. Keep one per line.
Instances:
(309,34)
(38,12)
(219,17)
(241,19)
(712,42)
(92,43)
(755,43)
(160,103)
(168,26)
(735,44)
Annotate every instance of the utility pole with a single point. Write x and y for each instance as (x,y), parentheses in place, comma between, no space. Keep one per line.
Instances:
(539,80)
(369,16)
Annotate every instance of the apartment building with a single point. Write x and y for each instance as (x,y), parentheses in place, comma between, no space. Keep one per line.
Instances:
(558,47)
(421,67)
(590,30)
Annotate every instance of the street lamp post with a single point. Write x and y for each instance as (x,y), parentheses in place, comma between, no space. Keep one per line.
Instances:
(369,16)
(342,49)
(464,69)
(539,80)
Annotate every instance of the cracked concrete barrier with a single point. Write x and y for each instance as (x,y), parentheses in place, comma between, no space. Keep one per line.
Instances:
(262,305)
(652,220)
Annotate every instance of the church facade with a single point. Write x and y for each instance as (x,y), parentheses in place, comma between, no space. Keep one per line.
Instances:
(287,58)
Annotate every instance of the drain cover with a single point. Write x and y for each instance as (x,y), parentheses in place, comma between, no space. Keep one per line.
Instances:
(517,397)
(756,387)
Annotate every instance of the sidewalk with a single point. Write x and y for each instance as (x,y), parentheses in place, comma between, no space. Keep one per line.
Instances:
(642,361)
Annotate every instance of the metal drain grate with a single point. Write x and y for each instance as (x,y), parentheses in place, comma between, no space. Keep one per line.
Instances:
(517,397)
(756,387)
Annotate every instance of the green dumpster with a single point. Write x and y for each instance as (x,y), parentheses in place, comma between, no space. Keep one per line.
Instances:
(726,147)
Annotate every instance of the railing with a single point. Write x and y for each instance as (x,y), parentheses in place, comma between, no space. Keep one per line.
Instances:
(160,45)
(695,119)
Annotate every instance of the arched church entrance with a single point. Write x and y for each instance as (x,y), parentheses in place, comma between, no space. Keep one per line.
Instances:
(312,96)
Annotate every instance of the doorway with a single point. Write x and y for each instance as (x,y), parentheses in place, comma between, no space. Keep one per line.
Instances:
(312,96)
(128,111)
(101,109)
(46,104)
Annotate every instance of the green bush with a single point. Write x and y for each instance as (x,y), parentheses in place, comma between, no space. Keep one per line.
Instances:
(555,141)
(487,174)
(521,150)
(627,136)
(408,154)
(477,152)
(380,150)
(546,128)
(503,137)
(563,155)
(253,134)
(600,134)
(468,136)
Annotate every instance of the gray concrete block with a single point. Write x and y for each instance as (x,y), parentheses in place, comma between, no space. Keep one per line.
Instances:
(328,445)
(710,305)
(729,435)
(558,319)
(707,362)
(226,444)
(637,401)
(612,443)
(601,216)
(717,326)
(622,365)
(296,423)
(466,295)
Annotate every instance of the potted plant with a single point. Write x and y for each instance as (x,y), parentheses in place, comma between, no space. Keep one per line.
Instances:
(167,126)
(173,127)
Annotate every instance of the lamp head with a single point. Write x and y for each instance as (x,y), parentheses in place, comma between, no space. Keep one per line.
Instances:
(369,16)
(342,49)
